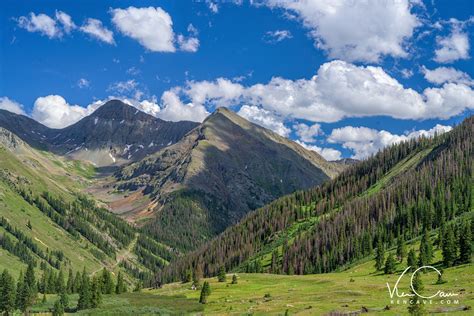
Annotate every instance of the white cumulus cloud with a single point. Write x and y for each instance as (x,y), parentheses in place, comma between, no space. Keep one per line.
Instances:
(62,23)
(66,21)
(364,141)
(355,30)
(53,111)
(339,90)
(11,106)
(264,118)
(97,30)
(188,44)
(453,47)
(441,75)
(173,109)
(329,154)
(307,133)
(41,23)
(151,27)
(221,92)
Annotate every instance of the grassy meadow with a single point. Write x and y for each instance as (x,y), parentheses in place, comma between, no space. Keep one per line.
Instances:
(352,290)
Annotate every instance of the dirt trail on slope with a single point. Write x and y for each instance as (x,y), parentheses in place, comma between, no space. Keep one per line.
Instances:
(124,254)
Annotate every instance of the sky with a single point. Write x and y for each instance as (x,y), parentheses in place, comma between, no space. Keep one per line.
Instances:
(342,77)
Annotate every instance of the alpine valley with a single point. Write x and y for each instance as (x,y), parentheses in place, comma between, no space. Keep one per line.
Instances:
(147,210)
(234,157)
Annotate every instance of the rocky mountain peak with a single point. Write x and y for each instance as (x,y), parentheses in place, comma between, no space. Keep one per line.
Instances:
(118,110)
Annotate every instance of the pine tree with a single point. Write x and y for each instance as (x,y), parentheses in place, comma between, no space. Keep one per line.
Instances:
(84,301)
(234,279)
(411,260)
(44,282)
(205,292)
(221,277)
(96,293)
(138,286)
(416,307)
(390,264)
(196,279)
(70,283)
(19,299)
(60,286)
(30,276)
(64,299)
(449,248)
(77,282)
(7,293)
(441,234)
(58,309)
(440,278)
(401,248)
(465,242)
(108,286)
(188,276)
(28,291)
(24,297)
(274,266)
(379,255)
(51,282)
(426,250)
(121,287)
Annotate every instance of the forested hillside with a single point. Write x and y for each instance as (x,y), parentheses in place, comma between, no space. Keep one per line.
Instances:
(416,186)
(47,223)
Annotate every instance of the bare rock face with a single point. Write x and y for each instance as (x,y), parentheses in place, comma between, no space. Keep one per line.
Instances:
(347,161)
(9,140)
(114,134)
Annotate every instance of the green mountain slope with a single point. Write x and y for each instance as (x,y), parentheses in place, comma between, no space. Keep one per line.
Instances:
(45,220)
(216,174)
(416,185)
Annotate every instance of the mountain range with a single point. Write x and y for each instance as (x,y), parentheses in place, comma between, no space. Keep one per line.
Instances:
(211,173)
(184,199)
(114,134)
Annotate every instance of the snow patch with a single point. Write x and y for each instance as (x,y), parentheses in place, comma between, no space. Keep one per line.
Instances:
(127,148)
(112,157)
(75,149)
(96,120)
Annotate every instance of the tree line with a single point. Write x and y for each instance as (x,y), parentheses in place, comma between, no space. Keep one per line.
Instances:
(454,241)
(26,248)
(24,293)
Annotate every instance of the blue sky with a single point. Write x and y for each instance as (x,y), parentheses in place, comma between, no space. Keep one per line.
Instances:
(344,78)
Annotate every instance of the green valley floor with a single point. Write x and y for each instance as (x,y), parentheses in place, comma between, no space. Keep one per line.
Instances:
(356,289)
